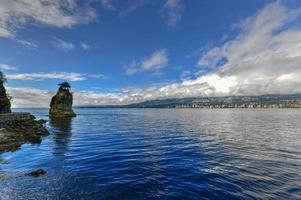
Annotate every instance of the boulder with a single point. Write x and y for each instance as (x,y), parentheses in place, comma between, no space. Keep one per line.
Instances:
(61,103)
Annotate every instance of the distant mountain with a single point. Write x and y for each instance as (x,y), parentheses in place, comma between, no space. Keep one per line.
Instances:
(262,101)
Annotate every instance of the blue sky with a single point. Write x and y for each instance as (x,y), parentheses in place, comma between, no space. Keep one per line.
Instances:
(116,52)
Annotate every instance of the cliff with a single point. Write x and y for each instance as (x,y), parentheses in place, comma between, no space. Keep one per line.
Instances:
(61,103)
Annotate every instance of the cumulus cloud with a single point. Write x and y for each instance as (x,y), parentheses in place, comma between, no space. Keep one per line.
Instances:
(15,14)
(264,58)
(61,44)
(154,62)
(70,76)
(173,10)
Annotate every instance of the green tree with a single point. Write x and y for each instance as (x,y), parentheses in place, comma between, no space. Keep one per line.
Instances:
(65,85)
(2,78)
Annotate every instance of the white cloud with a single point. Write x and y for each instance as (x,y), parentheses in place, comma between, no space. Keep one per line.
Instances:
(97,76)
(28,44)
(85,46)
(174,11)
(154,62)
(8,67)
(266,51)
(61,44)
(70,76)
(108,4)
(15,14)
(132,69)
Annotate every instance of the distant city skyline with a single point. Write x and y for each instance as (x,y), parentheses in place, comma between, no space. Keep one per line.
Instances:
(120,52)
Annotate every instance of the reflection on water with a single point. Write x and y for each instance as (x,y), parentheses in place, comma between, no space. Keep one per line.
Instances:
(62,132)
(161,154)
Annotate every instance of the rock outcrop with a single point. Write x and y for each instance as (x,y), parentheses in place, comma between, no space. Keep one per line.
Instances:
(61,103)
(17,128)
(15,132)
(5,106)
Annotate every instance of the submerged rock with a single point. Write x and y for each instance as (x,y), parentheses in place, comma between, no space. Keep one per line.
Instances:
(61,103)
(37,173)
(5,106)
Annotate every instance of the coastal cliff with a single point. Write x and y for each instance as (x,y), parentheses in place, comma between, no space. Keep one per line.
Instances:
(61,103)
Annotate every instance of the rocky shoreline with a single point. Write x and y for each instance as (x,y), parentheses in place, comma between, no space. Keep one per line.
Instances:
(19,128)
(14,133)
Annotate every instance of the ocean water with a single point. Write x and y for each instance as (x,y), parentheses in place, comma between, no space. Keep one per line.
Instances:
(161,154)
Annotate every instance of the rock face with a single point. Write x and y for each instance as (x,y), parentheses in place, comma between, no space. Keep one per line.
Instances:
(61,103)
(4,100)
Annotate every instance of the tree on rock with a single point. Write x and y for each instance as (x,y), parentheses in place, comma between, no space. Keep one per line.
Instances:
(61,103)
(5,106)
(64,86)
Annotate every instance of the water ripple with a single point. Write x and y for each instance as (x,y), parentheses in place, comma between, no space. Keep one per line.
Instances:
(161,154)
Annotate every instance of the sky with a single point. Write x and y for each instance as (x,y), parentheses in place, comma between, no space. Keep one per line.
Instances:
(125,51)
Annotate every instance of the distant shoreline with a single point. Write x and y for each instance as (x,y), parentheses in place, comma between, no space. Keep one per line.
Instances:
(267,101)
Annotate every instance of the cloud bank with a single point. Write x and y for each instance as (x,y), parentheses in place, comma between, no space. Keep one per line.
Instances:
(264,58)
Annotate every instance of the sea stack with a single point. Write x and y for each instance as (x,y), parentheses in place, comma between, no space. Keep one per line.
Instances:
(5,106)
(61,103)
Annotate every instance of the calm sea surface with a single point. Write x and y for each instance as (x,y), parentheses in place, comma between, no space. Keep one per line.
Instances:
(161,154)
